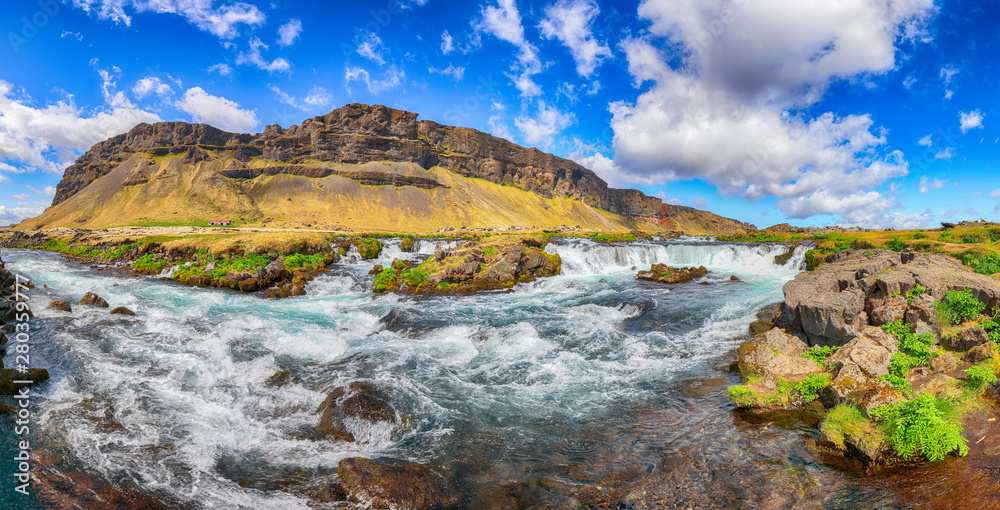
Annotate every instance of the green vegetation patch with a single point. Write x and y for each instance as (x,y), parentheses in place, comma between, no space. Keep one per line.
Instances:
(149,264)
(960,306)
(302,261)
(847,423)
(820,354)
(987,264)
(979,376)
(925,426)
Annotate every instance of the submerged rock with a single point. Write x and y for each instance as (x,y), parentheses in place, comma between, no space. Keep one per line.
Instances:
(360,401)
(121,310)
(410,486)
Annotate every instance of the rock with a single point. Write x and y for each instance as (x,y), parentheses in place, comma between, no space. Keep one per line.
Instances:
(758,359)
(871,354)
(298,289)
(360,400)
(886,310)
(939,385)
(849,380)
(61,305)
(943,363)
(922,309)
(9,375)
(279,379)
(663,273)
(210,267)
(397,486)
(977,354)
(734,278)
(406,245)
(121,310)
(510,496)
(461,272)
(759,327)
(275,270)
(91,299)
(832,318)
(238,276)
(778,340)
(967,339)
(248,285)
(882,393)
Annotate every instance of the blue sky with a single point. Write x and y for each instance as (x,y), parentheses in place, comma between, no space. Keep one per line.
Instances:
(876,113)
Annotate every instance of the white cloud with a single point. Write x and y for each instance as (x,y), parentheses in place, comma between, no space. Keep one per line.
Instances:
(222,69)
(447,43)
(926,184)
(971,120)
(254,58)
(728,111)
(391,79)
(289,32)
(217,111)
(947,73)
(318,98)
(14,215)
(995,193)
(543,128)
(504,22)
(570,21)
(49,191)
(151,85)
(663,196)
(926,141)
(947,154)
(948,94)
(455,72)
(698,202)
(75,35)
(20,196)
(222,21)
(51,137)
(372,48)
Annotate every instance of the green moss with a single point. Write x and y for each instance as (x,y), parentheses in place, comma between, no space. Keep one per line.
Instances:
(149,264)
(742,395)
(612,237)
(300,261)
(846,423)
(387,280)
(368,248)
(418,275)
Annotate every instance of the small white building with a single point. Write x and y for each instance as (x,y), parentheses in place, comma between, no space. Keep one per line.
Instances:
(220,223)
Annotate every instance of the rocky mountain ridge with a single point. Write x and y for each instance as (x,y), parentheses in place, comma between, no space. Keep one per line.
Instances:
(368,144)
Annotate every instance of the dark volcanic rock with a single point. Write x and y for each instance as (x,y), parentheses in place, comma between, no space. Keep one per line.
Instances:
(360,400)
(61,305)
(410,486)
(121,310)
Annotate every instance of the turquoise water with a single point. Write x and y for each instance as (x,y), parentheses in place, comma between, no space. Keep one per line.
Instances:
(177,404)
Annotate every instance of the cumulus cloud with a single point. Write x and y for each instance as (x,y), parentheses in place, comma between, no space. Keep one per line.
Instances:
(222,69)
(971,120)
(254,58)
(570,22)
(504,23)
(217,111)
(14,215)
(947,154)
(727,114)
(541,129)
(223,21)
(19,196)
(447,43)
(289,32)
(51,137)
(926,141)
(391,79)
(151,85)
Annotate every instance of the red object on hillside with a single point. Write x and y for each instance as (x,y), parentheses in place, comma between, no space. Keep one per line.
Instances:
(220,222)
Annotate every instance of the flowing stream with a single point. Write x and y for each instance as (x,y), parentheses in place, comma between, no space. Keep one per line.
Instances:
(557,384)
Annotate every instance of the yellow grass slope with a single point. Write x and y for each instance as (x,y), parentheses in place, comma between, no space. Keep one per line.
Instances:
(175,193)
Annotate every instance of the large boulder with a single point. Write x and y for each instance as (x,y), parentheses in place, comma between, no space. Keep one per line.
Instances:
(921,310)
(886,310)
(397,486)
(360,401)
(91,299)
(967,338)
(861,362)
(61,305)
(663,273)
(776,354)
(275,270)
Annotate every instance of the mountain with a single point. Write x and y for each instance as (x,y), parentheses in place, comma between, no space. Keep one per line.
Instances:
(359,167)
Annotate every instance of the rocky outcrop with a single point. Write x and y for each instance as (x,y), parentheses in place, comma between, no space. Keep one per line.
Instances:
(776,354)
(91,299)
(362,143)
(397,486)
(832,304)
(662,273)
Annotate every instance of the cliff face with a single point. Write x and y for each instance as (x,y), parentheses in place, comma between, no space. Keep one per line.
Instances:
(356,134)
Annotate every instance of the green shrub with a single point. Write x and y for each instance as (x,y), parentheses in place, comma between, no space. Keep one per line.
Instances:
(994,235)
(960,306)
(612,238)
(149,264)
(239,263)
(945,235)
(918,235)
(895,244)
(809,388)
(819,354)
(914,293)
(925,426)
(971,239)
(299,261)
(979,376)
(986,264)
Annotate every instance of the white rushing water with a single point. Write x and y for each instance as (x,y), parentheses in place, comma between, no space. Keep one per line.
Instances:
(177,398)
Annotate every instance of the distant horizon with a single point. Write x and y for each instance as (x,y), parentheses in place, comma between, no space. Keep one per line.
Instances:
(762,112)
